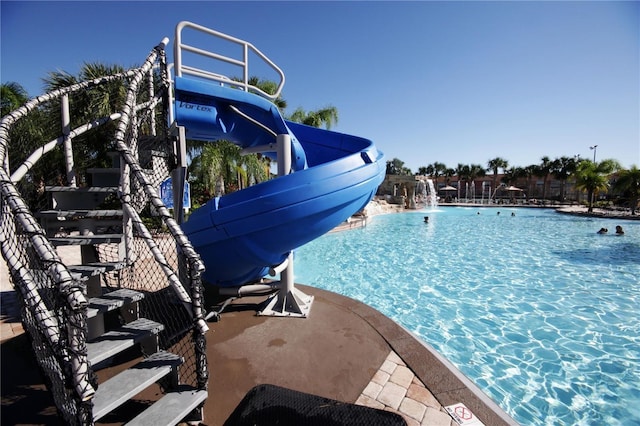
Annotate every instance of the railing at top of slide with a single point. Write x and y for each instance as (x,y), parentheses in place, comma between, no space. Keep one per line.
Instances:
(180,47)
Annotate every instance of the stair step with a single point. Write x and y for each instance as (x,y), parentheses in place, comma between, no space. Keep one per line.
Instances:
(86,240)
(83,189)
(171,408)
(107,170)
(73,197)
(116,341)
(79,214)
(83,272)
(112,300)
(120,388)
(105,176)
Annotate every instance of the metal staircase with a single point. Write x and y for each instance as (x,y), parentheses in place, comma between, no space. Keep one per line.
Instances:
(135,297)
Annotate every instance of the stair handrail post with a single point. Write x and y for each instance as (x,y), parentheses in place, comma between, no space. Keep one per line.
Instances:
(151,92)
(125,187)
(66,132)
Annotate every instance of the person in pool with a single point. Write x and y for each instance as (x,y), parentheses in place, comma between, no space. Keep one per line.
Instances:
(619,230)
(603,231)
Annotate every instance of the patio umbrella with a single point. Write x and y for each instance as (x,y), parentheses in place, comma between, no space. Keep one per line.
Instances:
(448,188)
(512,192)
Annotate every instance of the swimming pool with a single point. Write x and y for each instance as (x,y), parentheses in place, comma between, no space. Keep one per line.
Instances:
(536,308)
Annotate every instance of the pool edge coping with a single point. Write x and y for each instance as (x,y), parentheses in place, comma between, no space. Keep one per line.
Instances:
(444,380)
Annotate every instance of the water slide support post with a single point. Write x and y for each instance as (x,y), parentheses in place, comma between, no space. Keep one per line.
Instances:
(288,301)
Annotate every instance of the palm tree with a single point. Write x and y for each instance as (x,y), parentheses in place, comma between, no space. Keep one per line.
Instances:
(461,172)
(527,173)
(425,171)
(323,117)
(270,87)
(475,171)
(258,168)
(509,176)
(448,173)
(494,165)
(26,135)
(438,170)
(628,183)
(90,149)
(12,96)
(543,170)
(593,177)
(562,168)
(396,167)
(220,168)
(25,131)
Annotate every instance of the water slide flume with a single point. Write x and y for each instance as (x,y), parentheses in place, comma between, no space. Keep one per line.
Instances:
(324,176)
(241,235)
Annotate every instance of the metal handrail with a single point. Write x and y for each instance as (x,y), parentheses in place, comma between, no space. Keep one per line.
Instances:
(181,69)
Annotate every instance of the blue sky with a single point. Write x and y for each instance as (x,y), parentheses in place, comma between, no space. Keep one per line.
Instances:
(453,82)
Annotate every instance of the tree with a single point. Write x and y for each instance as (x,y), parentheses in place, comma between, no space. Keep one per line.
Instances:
(448,173)
(562,168)
(92,148)
(26,130)
(269,87)
(396,167)
(527,173)
(323,117)
(468,172)
(593,177)
(12,96)
(438,170)
(543,170)
(494,165)
(461,171)
(26,135)
(475,171)
(219,168)
(628,183)
(509,177)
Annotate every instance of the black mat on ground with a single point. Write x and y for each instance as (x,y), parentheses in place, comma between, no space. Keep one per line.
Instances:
(267,405)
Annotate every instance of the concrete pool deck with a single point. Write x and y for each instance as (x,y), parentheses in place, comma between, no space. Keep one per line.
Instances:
(345,350)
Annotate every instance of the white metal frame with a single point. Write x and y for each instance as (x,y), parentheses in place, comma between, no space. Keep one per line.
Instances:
(247,47)
(288,301)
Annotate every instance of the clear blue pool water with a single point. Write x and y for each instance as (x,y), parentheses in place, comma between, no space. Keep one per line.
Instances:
(537,309)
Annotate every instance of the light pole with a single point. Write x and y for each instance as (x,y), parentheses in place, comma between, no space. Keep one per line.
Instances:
(594,152)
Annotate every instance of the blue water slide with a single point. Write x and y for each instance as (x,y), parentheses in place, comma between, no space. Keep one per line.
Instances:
(241,235)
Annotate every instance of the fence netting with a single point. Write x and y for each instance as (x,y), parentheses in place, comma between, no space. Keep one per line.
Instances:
(132,129)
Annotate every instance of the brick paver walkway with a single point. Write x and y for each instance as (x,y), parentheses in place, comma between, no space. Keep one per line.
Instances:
(394,387)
